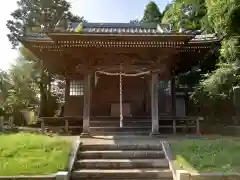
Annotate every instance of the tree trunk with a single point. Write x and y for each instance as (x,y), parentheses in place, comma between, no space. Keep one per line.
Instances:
(43,95)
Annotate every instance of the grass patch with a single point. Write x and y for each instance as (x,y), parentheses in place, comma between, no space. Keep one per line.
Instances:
(221,155)
(32,154)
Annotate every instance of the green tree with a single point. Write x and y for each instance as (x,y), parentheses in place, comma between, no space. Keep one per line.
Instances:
(43,80)
(217,86)
(166,9)
(23,92)
(189,13)
(219,15)
(38,15)
(216,76)
(192,15)
(151,13)
(4,87)
(17,91)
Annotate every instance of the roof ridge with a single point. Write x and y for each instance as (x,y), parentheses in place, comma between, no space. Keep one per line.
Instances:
(120,25)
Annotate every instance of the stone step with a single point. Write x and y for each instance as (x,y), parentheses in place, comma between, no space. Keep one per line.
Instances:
(122,173)
(127,133)
(116,118)
(120,129)
(125,146)
(122,179)
(154,154)
(121,163)
(110,123)
(124,120)
(117,131)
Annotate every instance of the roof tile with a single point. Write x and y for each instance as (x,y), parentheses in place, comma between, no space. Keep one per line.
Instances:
(123,28)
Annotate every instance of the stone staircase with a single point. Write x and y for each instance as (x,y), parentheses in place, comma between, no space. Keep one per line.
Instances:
(121,161)
(111,126)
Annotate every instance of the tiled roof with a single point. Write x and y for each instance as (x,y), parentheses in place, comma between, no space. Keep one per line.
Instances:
(37,36)
(205,37)
(122,28)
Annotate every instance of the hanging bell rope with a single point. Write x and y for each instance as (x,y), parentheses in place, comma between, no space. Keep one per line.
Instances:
(120,74)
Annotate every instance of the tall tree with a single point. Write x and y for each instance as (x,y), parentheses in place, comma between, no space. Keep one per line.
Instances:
(191,15)
(166,9)
(151,13)
(43,79)
(188,12)
(4,87)
(17,88)
(23,92)
(221,15)
(39,16)
(217,87)
(43,14)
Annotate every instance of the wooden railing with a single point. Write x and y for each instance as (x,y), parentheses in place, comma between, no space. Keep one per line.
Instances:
(61,123)
(182,122)
(67,123)
(6,122)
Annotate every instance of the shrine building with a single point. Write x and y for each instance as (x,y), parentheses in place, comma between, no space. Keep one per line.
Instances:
(120,71)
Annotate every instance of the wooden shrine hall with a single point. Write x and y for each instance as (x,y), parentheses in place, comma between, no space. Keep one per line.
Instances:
(118,72)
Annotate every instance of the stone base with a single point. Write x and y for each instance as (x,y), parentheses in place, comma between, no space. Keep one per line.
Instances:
(62,176)
(85,135)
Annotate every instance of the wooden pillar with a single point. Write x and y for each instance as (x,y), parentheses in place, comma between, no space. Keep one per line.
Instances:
(86,106)
(173,94)
(147,90)
(11,121)
(42,126)
(67,89)
(1,123)
(66,126)
(154,104)
(173,99)
(148,95)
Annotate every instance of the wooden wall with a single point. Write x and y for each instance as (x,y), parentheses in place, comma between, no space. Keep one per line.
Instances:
(104,91)
(73,104)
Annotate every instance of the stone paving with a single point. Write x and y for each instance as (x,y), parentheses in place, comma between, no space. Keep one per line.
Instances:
(137,139)
(129,139)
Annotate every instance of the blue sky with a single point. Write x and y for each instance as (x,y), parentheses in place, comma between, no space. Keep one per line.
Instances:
(92,10)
